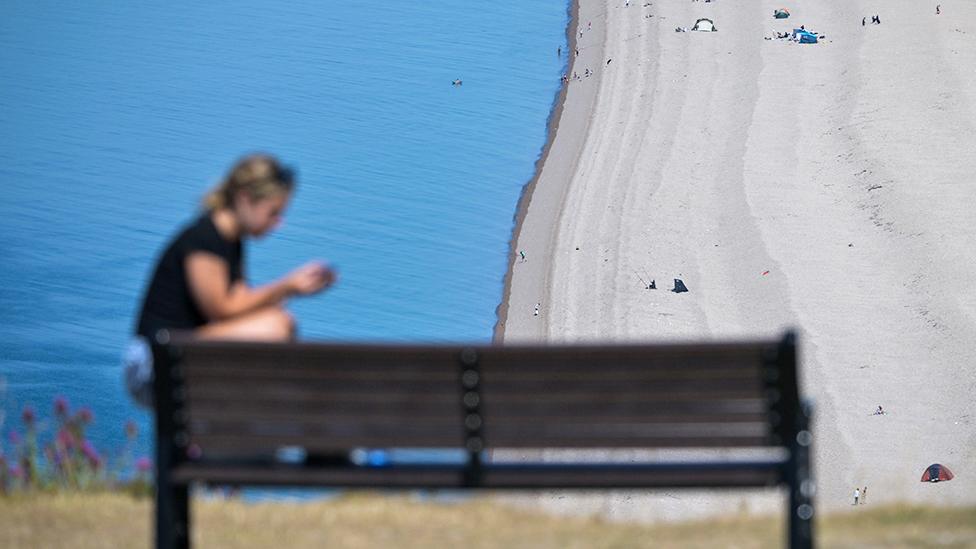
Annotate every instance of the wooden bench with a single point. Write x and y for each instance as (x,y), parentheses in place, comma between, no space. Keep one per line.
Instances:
(308,414)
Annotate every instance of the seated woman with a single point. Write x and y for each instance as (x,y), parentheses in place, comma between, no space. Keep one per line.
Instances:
(199,284)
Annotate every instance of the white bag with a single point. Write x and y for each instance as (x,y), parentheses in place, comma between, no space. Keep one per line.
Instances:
(138,370)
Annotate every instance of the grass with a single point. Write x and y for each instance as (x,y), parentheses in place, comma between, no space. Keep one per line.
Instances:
(90,520)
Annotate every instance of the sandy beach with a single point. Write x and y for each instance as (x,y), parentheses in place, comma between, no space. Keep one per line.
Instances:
(825,187)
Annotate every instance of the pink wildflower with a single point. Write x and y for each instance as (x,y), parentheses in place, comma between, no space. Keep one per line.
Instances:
(28,416)
(93,458)
(144,464)
(66,439)
(61,407)
(85,416)
(52,456)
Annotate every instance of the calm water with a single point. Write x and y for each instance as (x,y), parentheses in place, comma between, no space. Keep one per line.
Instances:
(115,118)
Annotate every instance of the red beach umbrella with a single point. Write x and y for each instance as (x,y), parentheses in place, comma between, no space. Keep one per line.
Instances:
(936,473)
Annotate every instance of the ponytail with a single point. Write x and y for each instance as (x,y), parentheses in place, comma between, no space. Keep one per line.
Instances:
(259,175)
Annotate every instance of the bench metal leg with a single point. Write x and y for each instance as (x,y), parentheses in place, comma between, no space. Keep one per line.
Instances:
(172,516)
(801,517)
(172,500)
(801,486)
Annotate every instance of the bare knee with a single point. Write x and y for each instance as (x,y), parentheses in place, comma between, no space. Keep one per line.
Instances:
(269,324)
(282,324)
(276,324)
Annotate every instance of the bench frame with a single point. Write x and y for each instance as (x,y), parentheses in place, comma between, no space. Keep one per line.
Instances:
(788,418)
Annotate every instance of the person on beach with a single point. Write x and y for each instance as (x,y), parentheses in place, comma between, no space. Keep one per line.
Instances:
(863,20)
(198,284)
(536,312)
(938,9)
(857,495)
(864,495)
(522,252)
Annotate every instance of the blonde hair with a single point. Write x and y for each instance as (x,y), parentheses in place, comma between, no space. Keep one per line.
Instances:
(258,175)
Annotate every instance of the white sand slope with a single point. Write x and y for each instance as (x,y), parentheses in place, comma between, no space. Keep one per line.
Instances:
(845,169)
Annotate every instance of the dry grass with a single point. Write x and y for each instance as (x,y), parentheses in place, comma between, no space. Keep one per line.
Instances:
(368,520)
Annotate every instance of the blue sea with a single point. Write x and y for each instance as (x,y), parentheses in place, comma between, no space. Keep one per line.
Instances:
(115,118)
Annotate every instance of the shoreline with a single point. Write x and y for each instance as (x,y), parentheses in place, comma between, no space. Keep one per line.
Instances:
(521,208)
(559,154)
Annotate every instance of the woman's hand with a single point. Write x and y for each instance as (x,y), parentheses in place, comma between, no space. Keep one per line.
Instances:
(311,278)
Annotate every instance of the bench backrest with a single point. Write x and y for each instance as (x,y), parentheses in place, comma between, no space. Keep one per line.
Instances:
(251,400)
(292,414)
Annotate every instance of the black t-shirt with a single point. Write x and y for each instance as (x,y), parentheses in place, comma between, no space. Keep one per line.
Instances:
(169,302)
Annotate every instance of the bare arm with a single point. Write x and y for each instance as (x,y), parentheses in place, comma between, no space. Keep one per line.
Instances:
(217,299)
